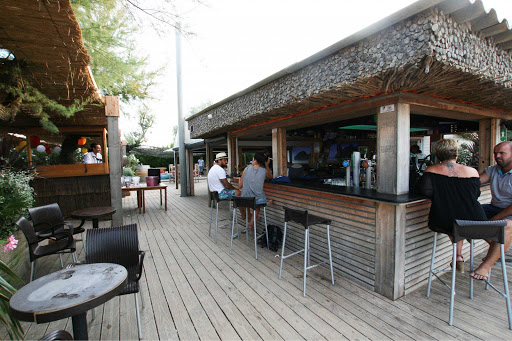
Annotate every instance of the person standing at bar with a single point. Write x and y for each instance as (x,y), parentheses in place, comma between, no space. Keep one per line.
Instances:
(500,177)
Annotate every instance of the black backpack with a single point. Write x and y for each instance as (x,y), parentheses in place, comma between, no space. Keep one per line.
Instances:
(275,238)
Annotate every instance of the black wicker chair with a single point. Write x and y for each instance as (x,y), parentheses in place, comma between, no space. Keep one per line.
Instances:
(63,243)
(119,245)
(48,220)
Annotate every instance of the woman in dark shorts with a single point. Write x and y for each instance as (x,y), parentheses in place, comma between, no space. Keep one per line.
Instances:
(454,190)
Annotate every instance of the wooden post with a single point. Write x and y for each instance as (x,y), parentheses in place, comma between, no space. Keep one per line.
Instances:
(390,250)
(485,150)
(231,155)
(279,151)
(190,172)
(393,139)
(114,157)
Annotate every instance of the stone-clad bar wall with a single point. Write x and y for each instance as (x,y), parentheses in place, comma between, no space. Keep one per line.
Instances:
(428,53)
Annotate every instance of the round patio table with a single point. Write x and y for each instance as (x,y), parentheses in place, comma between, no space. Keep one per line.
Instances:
(93,213)
(69,292)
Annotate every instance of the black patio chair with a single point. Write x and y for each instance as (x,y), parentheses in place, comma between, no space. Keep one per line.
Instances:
(57,335)
(63,242)
(119,245)
(48,220)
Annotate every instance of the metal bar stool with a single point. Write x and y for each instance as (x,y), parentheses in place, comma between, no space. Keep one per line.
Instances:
(248,203)
(306,220)
(214,200)
(470,230)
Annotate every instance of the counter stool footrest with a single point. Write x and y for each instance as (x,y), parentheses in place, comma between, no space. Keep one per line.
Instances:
(292,254)
(314,266)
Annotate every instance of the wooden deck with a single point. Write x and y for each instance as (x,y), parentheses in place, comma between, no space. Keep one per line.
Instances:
(194,289)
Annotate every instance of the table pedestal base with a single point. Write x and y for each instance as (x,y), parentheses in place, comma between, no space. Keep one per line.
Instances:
(80,326)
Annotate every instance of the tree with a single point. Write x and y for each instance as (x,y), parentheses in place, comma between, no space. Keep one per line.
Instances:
(146,120)
(118,66)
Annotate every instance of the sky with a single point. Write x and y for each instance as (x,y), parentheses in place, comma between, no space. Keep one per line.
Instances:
(237,43)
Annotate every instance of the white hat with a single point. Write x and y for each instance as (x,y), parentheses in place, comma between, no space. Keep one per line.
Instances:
(221,156)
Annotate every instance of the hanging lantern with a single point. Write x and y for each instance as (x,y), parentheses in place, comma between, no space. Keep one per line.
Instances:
(82,141)
(34,141)
(40,148)
(21,145)
(57,149)
(47,149)
(84,150)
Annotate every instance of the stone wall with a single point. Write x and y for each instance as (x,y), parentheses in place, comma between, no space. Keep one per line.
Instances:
(390,60)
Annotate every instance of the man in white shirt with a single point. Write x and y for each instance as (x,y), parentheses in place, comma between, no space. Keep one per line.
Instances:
(94,156)
(217,181)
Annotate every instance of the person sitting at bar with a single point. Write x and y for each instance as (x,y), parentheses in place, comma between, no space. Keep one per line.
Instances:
(454,190)
(500,177)
(93,156)
(252,180)
(217,181)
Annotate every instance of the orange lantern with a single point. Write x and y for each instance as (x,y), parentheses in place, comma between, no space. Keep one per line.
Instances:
(82,141)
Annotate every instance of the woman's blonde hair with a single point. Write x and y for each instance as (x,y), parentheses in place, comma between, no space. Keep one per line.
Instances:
(446,149)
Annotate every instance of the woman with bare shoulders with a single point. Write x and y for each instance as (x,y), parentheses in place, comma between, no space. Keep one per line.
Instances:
(454,190)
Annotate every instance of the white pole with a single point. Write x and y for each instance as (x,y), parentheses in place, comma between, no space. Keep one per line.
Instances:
(181,122)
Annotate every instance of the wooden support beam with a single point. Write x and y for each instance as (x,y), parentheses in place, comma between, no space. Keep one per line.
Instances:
(485,150)
(231,155)
(393,139)
(390,250)
(190,172)
(279,163)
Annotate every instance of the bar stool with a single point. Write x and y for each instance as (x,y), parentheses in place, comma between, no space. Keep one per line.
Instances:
(248,203)
(470,230)
(306,220)
(214,200)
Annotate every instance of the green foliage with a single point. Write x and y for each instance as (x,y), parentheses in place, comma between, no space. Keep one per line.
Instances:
(108,31)
(16,196)
(132,162)
(22,95)
(146,120)
(155,161)
(469,150)
(153,156)
(11,324)
(127,171)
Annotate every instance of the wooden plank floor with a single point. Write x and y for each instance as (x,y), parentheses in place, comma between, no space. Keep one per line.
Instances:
(194,289)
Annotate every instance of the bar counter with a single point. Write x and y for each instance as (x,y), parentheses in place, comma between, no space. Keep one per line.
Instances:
(380,241)
(358,192)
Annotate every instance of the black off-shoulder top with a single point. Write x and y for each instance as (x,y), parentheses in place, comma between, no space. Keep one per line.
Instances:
(452,198)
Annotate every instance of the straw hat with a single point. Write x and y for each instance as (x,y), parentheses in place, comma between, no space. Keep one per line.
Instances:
(221,156)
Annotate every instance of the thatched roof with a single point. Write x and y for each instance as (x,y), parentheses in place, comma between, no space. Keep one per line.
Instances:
(450,49)
(46,37)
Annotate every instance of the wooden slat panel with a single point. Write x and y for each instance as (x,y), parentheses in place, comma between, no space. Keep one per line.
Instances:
(352,229)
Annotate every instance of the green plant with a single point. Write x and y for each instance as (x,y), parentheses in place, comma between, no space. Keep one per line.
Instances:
(11,324)
(16,196)
(20,94)
(132,162)
(128,172)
